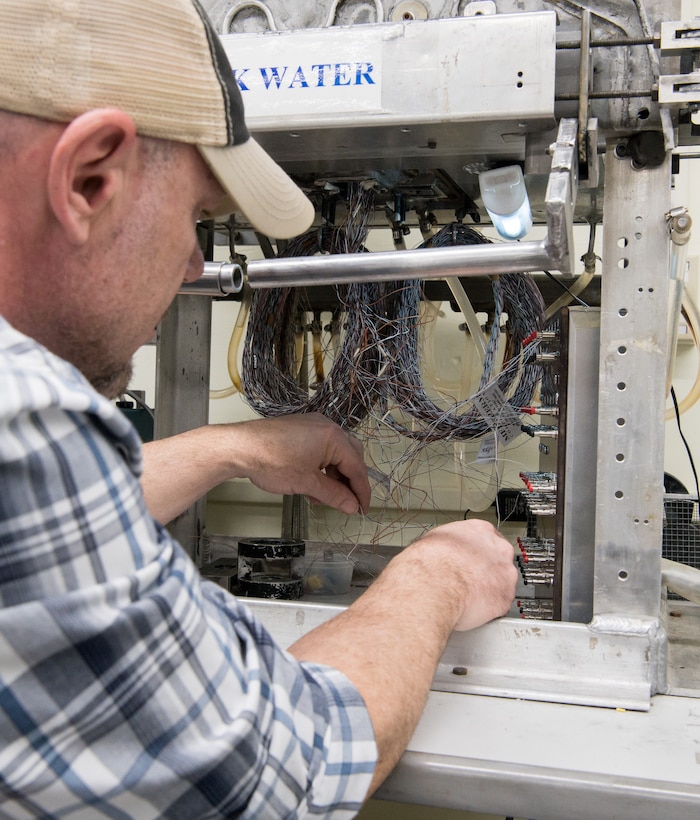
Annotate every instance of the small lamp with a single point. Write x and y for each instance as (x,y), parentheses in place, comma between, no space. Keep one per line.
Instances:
(505,197)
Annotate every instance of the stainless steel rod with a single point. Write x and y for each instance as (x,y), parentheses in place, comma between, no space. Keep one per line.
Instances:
(386,266)
(217,279)
(620,42)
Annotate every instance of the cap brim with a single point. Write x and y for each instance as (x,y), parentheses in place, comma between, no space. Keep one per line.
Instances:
(265,194)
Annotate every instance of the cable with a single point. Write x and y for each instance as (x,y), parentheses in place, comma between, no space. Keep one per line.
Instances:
(470,318)
(682,579)
(687,446)
(376,370)
(515,294)
(270,367)
(571,293)
(232,354)
(141,403)
(692,314)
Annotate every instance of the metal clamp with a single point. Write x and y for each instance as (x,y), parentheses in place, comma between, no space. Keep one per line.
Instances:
(217,279)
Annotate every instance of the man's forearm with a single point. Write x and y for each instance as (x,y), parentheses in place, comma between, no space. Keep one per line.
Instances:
(179,470)
(388,644)
(303,454)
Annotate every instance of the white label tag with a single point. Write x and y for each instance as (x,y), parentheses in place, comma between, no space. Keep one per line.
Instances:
(498,414)
(305,74)
(488,450)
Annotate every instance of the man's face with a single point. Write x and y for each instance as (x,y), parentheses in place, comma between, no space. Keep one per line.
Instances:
(148,248)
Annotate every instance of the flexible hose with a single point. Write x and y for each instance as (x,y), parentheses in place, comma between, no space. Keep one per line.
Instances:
(578,287)
(681,579)
(467,310)
(233,345)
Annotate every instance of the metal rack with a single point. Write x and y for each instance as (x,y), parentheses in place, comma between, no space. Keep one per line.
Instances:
(587,99)
(624,90)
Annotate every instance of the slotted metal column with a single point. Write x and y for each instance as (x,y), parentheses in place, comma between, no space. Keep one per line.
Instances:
(182,392)
(632,394)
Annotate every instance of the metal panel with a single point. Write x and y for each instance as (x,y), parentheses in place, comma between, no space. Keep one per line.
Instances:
(540,660)
(631,391)
(396,91)
(551,253)
(577,479)
(481,785)
(551,761)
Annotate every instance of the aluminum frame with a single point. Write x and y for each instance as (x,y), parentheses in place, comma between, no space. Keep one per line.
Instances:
(619,658)
(531,660)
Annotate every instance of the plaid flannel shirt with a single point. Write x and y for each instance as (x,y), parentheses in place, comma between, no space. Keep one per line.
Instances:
(130,688)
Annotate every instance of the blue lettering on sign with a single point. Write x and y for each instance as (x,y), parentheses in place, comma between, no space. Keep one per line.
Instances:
(343,75)
(363,70)
(320,69)
(238,74)
(317,75)
(274,75)
(299,79)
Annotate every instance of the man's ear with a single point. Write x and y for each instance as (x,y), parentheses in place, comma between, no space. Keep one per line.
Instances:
(89,166)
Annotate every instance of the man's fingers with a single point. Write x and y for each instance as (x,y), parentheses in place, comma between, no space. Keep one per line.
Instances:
(336,493)
(357,484)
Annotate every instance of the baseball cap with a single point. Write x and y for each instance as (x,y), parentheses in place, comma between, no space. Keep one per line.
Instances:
(162,63)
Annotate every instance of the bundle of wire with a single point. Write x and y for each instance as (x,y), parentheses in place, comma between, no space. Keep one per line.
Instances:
(270,361)
(376,367)
(519,297)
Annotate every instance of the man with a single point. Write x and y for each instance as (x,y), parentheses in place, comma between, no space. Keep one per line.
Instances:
(128,687)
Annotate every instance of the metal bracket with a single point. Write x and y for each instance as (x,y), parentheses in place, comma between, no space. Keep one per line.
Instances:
(560,197)
(676,38)
(554,252)
(679,90)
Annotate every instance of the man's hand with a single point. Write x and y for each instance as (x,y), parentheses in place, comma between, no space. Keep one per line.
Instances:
(300,454)
(305,455)
(482,558)
(389,641)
